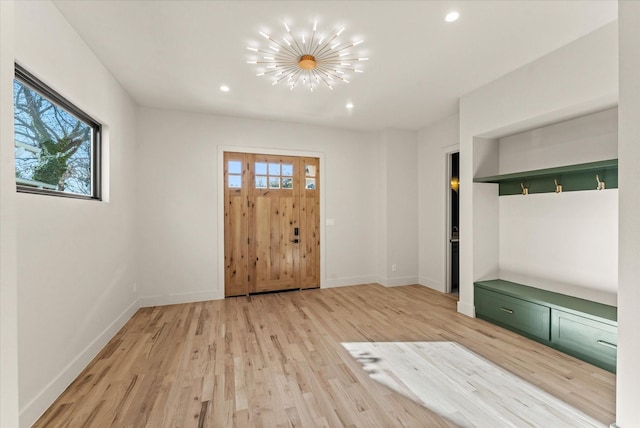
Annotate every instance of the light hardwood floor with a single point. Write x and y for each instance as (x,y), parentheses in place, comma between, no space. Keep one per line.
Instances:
(278,360)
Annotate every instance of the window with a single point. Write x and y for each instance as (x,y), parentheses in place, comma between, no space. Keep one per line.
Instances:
(57,145)
(276,175)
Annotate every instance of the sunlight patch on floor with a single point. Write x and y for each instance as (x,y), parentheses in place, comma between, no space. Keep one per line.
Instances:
(462,387)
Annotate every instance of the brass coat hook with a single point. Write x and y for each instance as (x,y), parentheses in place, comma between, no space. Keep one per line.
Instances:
(525,190)
(601,185)
(558,186)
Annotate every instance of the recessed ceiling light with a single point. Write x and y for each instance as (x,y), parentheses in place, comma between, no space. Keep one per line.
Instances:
(349,106)
(224,88)
(452,16)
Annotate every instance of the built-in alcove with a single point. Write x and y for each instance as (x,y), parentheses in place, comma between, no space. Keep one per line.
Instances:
(565,242)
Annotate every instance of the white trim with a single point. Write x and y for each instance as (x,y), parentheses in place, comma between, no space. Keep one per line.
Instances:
(178,298)
(351,280)
(270,151)
(41,402)
(466,309)
(398,281)
(432,283)
(448,152)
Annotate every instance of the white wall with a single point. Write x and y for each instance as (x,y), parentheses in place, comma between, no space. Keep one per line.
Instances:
(179,223)
(628,379)
(578,78)
(589,138)
(566,241)
(76,264)
(9,408)
(436,142)
(400,202)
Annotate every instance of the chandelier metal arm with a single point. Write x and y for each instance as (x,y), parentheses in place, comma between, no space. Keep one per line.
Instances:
(292,51)
(330,72)
(320,60)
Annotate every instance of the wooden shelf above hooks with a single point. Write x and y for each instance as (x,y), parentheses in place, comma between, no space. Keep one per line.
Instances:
(571,177)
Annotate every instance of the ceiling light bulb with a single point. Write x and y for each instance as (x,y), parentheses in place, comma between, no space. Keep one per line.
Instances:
(224,88)
(358,71)
(452,16)
(349,105)
(287,57)
(363,59)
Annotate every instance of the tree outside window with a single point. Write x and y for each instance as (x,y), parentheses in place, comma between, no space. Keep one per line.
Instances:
(55,150)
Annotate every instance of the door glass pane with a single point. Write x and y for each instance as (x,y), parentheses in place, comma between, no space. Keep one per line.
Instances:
(261,168)
(274,182)
(287,170)
(235,181)
(310,183)
(261,182)
(235,167)
(274,169)
(287,183)
(310,170)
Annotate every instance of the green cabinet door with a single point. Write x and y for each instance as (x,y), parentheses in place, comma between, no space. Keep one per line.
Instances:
(584,338)
(515,314)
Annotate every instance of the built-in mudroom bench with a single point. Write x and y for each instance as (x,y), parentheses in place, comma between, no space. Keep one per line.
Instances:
(582,328)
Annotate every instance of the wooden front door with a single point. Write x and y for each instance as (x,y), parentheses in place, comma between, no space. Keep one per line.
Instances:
(272,223)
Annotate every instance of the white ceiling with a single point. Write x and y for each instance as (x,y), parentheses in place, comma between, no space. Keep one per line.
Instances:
(176,54)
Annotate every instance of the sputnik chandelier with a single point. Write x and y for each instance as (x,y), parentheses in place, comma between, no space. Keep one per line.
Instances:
(307,60)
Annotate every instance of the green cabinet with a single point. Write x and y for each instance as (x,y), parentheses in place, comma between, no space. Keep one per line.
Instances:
(525,317)
(590,340)
(584,329)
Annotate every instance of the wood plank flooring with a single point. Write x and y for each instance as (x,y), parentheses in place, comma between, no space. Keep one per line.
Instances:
(277,360)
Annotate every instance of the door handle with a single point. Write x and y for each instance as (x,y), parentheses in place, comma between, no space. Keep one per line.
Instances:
(295,241)
(509,311)
(607,344)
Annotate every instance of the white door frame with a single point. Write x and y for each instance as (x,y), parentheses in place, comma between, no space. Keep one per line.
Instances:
(220,198)
(447,243)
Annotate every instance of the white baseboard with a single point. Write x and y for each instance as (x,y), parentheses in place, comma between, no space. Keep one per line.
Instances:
(177,298)
(351,280)
(31,411)
(434,285)
(398,281)
(467,309)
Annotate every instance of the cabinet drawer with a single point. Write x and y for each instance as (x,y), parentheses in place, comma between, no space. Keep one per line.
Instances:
(585,338)
(525,317)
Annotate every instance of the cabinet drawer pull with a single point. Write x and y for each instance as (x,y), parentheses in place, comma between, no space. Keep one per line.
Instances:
(608,344)
(509,311)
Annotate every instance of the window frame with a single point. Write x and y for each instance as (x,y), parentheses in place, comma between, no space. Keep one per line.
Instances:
(25,78)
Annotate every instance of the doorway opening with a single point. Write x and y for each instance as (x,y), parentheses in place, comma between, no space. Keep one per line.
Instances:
(453,224)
